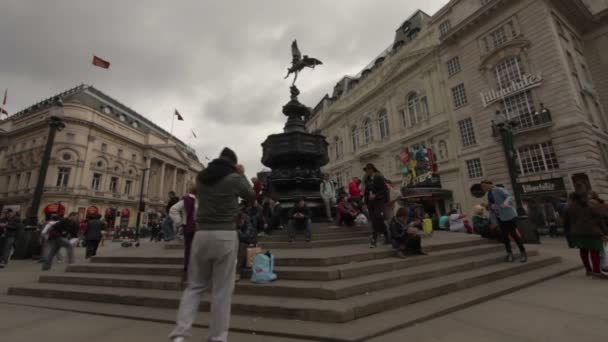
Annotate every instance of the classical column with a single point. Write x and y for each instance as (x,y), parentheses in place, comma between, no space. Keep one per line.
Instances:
(173,188)
(184,185)
(146,179)
(161,182)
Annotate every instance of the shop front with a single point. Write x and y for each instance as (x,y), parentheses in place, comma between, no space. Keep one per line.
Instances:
(543,200)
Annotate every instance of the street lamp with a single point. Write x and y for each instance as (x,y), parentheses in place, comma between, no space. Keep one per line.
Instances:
(56,124)
(502,126)
(142,205)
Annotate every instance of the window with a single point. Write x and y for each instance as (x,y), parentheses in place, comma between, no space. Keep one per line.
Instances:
(417,109)
(467,134)
(499,37)
(18,181)
(134,157)
(128,187)
(28,178)
(119,153)
(444,27)
(339,179)
(66,156)
(96,181)
(367,131)
(520,107)
(560,28)
(70,137)
(8,183)
(453,66)
(104,147)
(474,168)
(537,158)
(403,115)
(63,176)
(113,184)
(508,70)
(459,95)
(571,62)
(383,124)
(354,135)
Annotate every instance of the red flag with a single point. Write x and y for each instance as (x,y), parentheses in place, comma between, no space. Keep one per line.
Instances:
(179,116)
(100,62)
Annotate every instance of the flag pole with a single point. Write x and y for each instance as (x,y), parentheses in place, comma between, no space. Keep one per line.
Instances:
(172,122)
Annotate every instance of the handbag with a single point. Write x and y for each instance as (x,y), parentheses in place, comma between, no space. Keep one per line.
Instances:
(252,251)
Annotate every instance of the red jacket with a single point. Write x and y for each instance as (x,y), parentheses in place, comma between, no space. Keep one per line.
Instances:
(353,190)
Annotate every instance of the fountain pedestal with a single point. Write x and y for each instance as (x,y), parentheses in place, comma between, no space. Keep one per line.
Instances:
(295,158)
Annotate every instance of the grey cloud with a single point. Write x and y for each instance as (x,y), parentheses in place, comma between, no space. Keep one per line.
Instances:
(220,62)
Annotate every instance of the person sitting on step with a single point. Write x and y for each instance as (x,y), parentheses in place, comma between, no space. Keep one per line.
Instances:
(299,219)
(404,239)
(345,213)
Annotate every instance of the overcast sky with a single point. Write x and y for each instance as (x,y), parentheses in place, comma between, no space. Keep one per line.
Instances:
(220,62)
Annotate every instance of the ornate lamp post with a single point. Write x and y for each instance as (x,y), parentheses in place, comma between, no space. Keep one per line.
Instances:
(504,128)
(142,205)
(56,124)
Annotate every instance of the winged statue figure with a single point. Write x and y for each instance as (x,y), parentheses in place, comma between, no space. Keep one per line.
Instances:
(298,63)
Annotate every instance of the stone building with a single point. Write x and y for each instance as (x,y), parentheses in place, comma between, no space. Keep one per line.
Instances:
(97,160)
(542,64)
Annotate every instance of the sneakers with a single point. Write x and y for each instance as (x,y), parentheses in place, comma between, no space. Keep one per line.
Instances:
(524,257)
(509,258)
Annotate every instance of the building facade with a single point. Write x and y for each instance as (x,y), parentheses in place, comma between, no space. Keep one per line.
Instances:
(98,161)
(541,64)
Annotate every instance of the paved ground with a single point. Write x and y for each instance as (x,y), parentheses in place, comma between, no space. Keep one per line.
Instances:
(572,307)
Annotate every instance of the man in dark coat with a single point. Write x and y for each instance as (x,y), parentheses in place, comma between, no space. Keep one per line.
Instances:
(376,197)
(59,236)
(299,218)
(93,234)
(9,225)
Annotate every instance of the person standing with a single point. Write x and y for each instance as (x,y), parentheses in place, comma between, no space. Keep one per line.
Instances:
(8,233)
(588,232)
(501,202)
(328,194)
(93,235)
(377,195)
(214,247)
(59,236)
(183,214)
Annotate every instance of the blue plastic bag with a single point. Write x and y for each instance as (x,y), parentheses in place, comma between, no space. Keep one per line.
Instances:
(263,268)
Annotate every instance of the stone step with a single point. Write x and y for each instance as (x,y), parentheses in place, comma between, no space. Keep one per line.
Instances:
(383,263)
(318,236)
(362,329)
(336,311)
(292,288)
(306,257)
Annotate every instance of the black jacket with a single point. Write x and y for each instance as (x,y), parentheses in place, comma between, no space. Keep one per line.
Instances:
(93,231)
(65,228)
(376,185)
(9,227)
(301,210)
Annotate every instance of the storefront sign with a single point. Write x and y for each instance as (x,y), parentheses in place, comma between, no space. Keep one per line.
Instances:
(527,82)
(548,185)
(55,208)
(92,210)
(419,168)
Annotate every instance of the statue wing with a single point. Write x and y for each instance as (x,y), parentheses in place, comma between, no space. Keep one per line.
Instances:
(313,61)
(295,52)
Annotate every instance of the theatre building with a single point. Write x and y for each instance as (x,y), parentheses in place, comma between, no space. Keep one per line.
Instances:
(98,161)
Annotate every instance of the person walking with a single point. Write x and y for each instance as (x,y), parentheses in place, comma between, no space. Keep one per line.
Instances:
(93,235)
(214,247)
(501,202)
(376,197)
(59,236)
(588,232)
(183,214)
(10,225)
(328,194)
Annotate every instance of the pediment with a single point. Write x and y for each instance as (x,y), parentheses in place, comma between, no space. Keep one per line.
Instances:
(173,152)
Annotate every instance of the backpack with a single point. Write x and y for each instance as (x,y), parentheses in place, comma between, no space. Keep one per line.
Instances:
(263,268)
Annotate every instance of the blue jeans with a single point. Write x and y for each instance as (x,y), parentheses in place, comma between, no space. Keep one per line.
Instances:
(54,246)
(292,225)
(7,245)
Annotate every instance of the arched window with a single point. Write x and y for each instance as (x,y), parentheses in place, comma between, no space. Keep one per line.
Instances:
(383,124)
(367,131)
(417,109)
(354,136)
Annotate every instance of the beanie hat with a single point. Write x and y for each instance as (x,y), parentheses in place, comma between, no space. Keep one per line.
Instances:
(229,155)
